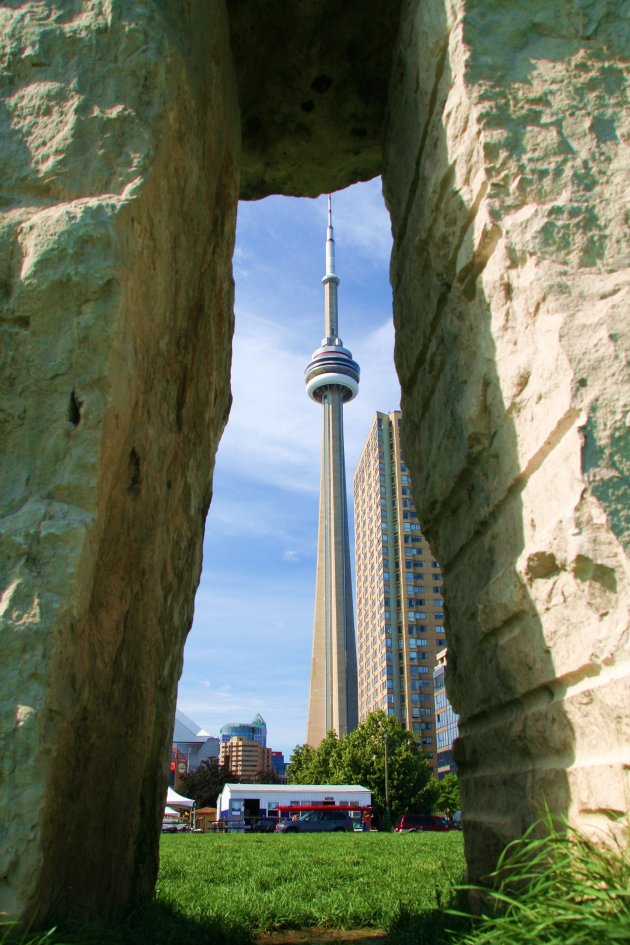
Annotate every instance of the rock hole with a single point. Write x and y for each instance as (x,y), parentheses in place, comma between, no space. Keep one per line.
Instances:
(135,478)
(307,106)
(74,409)
(321,84)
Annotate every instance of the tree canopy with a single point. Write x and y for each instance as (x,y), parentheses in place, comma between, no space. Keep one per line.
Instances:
(266,776)
(206,783)
(449,797)
(359,758)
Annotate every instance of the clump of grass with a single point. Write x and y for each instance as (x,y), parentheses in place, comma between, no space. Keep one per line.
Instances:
(556,889)
(12,934)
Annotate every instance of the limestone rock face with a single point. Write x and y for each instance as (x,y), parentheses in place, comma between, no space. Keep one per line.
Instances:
(506,167)
(313,78)
(119,163)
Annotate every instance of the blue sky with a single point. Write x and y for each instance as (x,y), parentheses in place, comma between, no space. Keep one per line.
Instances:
(249,649)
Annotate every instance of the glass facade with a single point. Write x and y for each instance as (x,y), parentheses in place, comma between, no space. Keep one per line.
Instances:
(446,720)
(254,731)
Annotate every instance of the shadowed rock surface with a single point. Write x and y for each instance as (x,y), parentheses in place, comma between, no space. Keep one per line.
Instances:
(313,79)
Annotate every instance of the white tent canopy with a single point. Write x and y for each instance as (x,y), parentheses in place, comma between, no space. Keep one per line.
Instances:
(169,812)
(173,799)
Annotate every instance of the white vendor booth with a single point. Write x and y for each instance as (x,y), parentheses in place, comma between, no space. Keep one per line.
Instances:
(241,804)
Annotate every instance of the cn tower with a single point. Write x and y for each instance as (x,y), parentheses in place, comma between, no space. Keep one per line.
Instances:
(332,379)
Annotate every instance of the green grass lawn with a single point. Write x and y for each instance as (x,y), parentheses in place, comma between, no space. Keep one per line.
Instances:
(244,883)
(221,890)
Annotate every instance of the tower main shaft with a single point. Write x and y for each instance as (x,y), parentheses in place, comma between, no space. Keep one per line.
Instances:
(332,378)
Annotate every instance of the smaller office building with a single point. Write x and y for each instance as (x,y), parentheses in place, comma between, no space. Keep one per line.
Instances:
(254,731)
(239,804)
(245,758)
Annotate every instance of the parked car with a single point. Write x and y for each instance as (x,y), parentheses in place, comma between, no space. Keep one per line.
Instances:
(317,821)
(265,825)
(415,823)
(169,826)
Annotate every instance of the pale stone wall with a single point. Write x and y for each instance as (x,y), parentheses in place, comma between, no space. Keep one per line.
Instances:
(506,169)
(119,168)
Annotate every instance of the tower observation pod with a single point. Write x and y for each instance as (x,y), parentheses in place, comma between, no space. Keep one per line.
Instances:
(332,379)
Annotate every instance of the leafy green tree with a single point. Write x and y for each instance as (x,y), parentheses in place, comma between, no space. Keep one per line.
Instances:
(361,760)
(326,761)
(206,783)
(449,798)
(266,776)
(300,765)
(315,765)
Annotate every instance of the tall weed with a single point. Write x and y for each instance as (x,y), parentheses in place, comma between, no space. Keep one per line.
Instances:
(556,889)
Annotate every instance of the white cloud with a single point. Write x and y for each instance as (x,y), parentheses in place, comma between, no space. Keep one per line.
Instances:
(290,556)
(247,513)
(272,435)
(379,389)
(362,222)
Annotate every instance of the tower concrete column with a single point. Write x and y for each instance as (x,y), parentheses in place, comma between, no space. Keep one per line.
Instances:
(332,379)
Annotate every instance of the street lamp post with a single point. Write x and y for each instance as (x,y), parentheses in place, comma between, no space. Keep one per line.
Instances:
(387,808)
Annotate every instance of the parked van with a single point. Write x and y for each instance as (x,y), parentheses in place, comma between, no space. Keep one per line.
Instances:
(414,823)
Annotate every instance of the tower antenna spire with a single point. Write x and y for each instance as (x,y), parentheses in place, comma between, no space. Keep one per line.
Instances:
(330,242)
(330,281)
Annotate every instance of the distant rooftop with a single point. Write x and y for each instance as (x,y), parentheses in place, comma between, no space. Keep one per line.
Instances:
(187,730)
(296,788)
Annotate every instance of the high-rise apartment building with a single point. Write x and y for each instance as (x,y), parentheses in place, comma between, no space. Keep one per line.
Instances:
(400,607)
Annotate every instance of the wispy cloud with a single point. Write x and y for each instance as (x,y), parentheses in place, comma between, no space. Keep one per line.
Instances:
(271,434)
(362,222)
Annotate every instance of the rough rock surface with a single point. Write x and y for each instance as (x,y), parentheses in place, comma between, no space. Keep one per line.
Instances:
(506,168)
(119,168)
(313,78)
